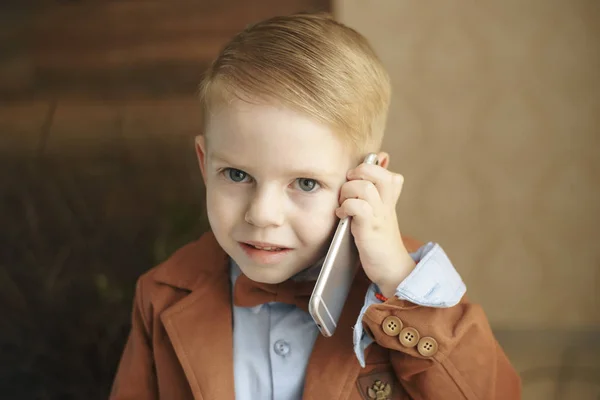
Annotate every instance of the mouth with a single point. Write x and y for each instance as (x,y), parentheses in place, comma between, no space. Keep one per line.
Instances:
(265,253)
(265,246)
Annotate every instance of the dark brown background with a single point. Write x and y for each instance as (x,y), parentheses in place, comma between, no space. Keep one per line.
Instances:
(98,180)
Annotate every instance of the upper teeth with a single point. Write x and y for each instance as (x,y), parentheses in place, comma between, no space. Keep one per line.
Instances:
(267,248)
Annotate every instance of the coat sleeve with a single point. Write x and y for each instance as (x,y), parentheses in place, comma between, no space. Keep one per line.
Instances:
(136,378)
(443,353)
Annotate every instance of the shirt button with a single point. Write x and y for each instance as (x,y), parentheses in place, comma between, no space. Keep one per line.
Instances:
(282,348)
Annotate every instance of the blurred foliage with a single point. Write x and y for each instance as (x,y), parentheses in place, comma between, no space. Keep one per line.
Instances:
(75,235)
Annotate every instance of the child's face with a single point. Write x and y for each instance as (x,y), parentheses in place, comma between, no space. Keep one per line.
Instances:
(273,178)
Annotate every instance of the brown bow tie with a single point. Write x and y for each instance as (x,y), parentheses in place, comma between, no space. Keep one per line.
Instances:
(247,293)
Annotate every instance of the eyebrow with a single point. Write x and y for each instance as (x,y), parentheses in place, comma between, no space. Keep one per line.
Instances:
(311,174)
(218,157)
(300,173)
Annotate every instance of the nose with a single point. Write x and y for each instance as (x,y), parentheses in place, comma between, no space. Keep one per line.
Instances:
(266,208)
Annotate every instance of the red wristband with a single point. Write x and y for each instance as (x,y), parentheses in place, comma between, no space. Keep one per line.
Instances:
(381,297)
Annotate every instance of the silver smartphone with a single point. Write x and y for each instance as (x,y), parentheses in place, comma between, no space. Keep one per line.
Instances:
(336,276)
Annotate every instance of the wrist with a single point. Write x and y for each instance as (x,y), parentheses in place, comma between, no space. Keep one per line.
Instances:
(386,292)
(391,283)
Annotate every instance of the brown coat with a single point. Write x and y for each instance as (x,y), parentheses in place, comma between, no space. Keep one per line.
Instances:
(180,345)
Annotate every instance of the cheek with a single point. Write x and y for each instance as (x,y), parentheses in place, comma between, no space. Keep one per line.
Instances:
(316,220)
(223,208)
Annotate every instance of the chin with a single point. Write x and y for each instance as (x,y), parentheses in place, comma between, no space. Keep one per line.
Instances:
(266,275)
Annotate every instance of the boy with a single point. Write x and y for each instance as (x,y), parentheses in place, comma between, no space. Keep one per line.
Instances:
(291,107)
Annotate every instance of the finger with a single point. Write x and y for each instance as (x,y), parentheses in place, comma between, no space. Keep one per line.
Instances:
(360,211)
(361,189)
(388,183)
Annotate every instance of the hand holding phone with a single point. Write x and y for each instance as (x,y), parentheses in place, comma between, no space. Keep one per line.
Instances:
(336,276)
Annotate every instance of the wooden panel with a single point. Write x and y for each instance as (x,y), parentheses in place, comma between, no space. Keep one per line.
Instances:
(21,129)
(86,129)
(134,48)
(109,34)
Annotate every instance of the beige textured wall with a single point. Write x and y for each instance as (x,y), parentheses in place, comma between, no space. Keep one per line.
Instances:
(495,124)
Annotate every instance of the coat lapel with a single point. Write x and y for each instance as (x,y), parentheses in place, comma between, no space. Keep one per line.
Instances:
(200,325)
(333,368)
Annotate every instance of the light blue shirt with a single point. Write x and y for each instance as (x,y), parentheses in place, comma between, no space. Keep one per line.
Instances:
(272,342)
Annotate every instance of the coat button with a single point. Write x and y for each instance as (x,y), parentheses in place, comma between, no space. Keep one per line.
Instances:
(427,347)
(282,348)
(392,326)
(409,337)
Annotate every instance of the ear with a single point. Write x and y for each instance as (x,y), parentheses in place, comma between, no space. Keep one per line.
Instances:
(384,159)
(200,144)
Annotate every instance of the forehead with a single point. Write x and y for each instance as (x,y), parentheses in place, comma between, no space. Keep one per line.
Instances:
(277,137)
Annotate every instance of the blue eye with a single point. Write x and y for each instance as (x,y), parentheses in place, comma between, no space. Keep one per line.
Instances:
(235,175)
(306,184)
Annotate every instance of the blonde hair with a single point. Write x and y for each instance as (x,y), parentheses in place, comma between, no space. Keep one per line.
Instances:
(310,63)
